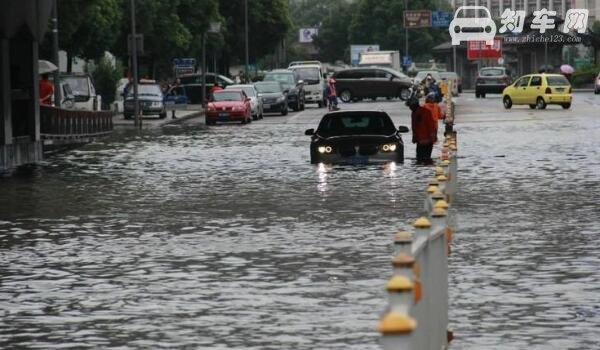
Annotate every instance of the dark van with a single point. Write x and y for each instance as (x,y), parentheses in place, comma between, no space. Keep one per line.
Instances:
(371,82)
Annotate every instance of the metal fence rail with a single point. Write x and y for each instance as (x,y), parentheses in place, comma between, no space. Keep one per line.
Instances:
(417,313)
(70,124)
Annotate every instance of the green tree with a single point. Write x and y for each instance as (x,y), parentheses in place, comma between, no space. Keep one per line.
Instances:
(381,22)
(333,39)
(268,22)
(106,76)
(87,28)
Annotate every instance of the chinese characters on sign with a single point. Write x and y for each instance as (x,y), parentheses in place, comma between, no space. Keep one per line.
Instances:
(478,49)
(417,19)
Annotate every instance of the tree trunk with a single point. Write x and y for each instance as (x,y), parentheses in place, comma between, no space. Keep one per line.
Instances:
(69,62)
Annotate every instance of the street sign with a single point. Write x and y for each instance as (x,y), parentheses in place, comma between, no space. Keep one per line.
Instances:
(478,49)
(356,50)
(407,61)
(183,66)
(139,43)
(417,19)
(441,19)
(305,35)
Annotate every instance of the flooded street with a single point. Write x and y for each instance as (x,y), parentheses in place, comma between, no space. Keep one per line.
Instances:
(228,238)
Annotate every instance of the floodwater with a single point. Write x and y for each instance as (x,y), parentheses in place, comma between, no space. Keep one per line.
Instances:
(227,238)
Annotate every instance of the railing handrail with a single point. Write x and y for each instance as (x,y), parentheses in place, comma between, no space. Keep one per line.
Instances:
(64,123)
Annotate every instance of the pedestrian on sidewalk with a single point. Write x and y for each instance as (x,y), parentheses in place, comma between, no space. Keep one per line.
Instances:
(424,130)
(331,93)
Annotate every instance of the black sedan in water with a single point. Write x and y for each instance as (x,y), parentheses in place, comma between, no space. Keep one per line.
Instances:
(356,137)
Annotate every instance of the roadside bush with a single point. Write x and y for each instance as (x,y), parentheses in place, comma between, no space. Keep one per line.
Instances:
(106,76)
(585,75)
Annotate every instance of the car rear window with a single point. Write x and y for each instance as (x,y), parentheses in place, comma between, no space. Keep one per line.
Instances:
(227,96)
(268,88)
(491,72)
(557,80)
(285,78)
(356,124)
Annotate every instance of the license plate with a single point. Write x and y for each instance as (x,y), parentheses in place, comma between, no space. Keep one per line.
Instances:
(359,159)
(560,89)
(223,114)
(266,106)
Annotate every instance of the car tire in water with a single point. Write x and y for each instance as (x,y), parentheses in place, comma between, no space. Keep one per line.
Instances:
(127,116)
(284,111)
(483,95)
(404,94)
(255,117)
(346,96)
(162,115)
(566,105)
(540,103)
(532,106)
(476,94)
(507,102)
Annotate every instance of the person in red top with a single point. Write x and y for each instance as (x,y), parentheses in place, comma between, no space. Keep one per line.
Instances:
(215,88)
(46,91)
(424,129)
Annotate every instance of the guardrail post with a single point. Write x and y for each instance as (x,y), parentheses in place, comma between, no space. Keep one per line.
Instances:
(397,330)
(402,242)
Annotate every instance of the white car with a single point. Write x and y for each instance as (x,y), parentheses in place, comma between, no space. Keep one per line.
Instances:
(472,23)
(255,103)
(84,91)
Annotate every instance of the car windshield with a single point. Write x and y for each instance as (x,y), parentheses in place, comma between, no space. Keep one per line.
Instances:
(146,90)
(268,88)
(491,72)
(396,73)
(309,75)
(285,78)
(250,92)
(557,80)
(356,124)
(79,85)
(227,96)
(448,75)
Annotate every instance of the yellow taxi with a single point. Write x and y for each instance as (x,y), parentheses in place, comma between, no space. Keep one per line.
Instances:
(538,91)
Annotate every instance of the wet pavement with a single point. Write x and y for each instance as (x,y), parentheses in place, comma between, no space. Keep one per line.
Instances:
(226,237)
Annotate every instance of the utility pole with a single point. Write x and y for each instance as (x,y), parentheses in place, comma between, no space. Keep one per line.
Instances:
(405,31)
(204,71)
(56,74)
(247,47)
(454,68)
(136,108)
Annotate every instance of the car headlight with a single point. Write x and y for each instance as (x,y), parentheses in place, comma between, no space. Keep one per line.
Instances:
(157,104)
(238,109)
(281,99)
(389,147)
(325,149)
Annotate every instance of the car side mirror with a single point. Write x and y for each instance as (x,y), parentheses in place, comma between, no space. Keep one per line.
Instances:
(309,132)
(248,99)
(286,91)
(402,129)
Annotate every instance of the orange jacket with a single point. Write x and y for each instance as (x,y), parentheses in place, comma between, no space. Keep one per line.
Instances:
(46,92)
(435,109)
(424,126)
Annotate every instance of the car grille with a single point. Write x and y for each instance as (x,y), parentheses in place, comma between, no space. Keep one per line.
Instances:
(363,150)
(270,100)
(367,150)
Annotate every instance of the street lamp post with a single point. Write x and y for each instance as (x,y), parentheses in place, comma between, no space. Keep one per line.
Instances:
(246,33)
(134,67)
(214,28)
(56,73)
(405,31)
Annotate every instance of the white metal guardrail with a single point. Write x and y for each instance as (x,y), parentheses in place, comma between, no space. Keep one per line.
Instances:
(417,313)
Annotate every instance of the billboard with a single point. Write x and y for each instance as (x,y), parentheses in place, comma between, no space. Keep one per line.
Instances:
(306,34)
(356,50)
(417,19)
(478,49)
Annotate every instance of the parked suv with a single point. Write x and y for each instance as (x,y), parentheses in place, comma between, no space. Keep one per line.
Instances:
(492,80)
(357,83)
(84,92)
(292,85)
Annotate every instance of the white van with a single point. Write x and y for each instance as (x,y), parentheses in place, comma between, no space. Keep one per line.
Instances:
(311,73)
(84,91)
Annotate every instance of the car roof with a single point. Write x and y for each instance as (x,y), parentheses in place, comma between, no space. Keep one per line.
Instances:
(355,112)
(239,86)
(289,71)
(228,90)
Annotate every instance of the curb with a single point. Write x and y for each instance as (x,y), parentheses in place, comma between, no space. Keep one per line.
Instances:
(184,118)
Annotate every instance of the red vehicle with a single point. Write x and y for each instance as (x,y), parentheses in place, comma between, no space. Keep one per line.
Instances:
(229,105)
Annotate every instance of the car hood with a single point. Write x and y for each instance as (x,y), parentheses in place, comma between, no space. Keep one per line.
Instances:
(358,139)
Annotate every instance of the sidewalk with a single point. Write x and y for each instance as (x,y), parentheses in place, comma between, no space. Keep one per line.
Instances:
(152,121)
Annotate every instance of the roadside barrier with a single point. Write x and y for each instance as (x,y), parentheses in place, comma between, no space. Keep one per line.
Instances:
(416,316)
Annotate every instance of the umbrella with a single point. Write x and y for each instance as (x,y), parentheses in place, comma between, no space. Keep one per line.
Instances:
(46,67)
(546,68)
(567,69)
